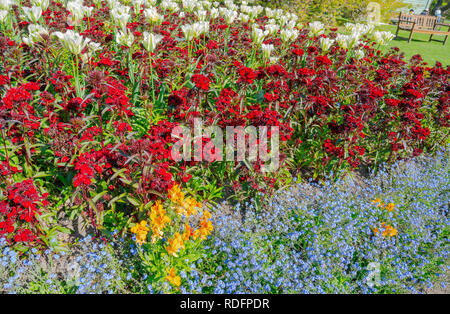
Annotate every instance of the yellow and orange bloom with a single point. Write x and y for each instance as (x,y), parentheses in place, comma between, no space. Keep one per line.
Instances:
(390,207)
(176,196)
(191,206)
(159,219)
(173,278)
(188,208)
(175,244)
(377,202)
(386,230)
(205,228)
(188,232)
(140,230)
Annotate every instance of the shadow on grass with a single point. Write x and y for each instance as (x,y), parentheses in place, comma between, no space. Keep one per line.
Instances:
(421,40)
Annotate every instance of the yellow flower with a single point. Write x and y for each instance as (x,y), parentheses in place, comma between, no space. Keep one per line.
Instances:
(188,232)
(377,202)
(175,244)
(388,230)
(159,219)
(176,195)
(141,231)
(390,207)
(207,215)
(172,277)
(205,228)
(189,207)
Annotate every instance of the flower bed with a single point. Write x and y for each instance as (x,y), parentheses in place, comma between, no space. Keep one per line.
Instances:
(94,96)
(311,239)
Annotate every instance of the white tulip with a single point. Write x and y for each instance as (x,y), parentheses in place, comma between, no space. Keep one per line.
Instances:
(291,24)
(93,46)
(258,35)
(76,9)
(359,53)
(244,18)
(353,40)
(269,12)
(326,43)
(169,6)
(289,34)
(122,20)
(153,16)
(206,4)
(272,28)
(201,15)
(137,5)
(362,29)
(125,38)
(283,20)
(214,13)
(342,41)
(151,40)
(72,41)
(41,3)
(3,16)
(200,28)
(150,3)
(188,32)
(230,16)
(33,13)
(267,50)
(383,38)
(273,60)
(188,5)
(87,11)
(36,32)
(6,4)
(316,29)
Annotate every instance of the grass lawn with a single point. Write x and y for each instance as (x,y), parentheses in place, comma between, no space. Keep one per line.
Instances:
(431,51)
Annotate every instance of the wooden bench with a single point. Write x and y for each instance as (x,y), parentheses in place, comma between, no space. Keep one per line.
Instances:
(423,24)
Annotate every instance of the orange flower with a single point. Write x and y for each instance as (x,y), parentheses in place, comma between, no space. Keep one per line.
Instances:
(176,195)
(159,219)
(172,277)
(207,215)
(390,207)
(188,232)
(377,202)
(141,231)
(189,207)
(175,244)
(205,228)
(388,230)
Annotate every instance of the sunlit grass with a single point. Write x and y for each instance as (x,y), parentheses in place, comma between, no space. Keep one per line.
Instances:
(431,51)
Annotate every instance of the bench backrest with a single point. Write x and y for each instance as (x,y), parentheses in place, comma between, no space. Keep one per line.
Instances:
(420,21)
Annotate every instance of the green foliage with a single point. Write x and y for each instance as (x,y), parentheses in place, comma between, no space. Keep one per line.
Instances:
(335,12)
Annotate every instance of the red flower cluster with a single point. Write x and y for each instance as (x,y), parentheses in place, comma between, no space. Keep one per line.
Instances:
(201,81)
(18,214)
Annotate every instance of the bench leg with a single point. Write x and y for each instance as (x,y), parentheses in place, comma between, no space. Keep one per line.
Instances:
(410,36)
(445,40)
(396,33)
(431,37)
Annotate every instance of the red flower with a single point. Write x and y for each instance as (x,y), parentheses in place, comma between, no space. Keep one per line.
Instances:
(201,81)
(246,75)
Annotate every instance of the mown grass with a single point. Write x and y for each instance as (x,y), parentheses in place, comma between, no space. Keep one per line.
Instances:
(431,51)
